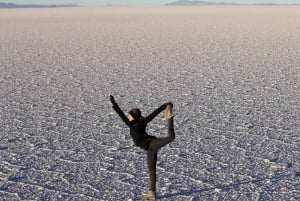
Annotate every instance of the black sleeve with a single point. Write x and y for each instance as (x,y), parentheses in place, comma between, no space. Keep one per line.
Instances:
(155,113)
(121,114)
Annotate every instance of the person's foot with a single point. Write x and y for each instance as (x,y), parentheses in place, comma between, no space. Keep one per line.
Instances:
(150,195)
(168,113)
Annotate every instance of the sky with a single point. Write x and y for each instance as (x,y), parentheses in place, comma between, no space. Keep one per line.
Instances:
(139,2)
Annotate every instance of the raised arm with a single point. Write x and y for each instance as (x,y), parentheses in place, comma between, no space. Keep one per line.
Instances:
(151,116)
(119,111)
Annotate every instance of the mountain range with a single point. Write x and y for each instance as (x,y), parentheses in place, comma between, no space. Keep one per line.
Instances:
(199,3)
(195,3)
(175,3)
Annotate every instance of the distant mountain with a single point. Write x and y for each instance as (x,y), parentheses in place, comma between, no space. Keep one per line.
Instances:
(196,3)
(199,3)
(13,5)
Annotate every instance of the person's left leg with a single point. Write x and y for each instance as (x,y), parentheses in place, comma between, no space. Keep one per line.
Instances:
(152,160)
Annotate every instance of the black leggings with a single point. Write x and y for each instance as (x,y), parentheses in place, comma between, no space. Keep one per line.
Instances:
(155,145)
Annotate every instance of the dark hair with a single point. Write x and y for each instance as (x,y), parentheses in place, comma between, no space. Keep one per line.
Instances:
(135,113)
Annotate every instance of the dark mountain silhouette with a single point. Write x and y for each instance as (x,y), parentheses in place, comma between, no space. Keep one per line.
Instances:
(195,3)
(199,3)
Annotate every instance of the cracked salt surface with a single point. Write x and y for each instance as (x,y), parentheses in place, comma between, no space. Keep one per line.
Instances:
(233,74)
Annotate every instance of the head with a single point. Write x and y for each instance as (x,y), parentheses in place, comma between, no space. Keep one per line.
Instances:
(134,114)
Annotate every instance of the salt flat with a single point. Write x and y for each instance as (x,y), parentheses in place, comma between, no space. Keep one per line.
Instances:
(233,74)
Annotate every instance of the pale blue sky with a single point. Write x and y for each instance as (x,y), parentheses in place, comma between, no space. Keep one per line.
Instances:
(139,2)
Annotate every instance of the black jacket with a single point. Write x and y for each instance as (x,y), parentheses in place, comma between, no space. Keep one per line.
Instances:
(138,128)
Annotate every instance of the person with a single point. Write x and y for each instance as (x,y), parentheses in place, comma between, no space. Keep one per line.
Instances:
(137,124)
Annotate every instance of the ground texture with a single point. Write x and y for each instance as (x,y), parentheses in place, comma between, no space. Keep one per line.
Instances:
(233,74)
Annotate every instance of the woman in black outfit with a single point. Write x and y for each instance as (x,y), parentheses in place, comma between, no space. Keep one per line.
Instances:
(137,124)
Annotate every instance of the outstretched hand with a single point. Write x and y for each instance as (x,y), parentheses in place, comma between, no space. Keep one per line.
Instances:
(112,99)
